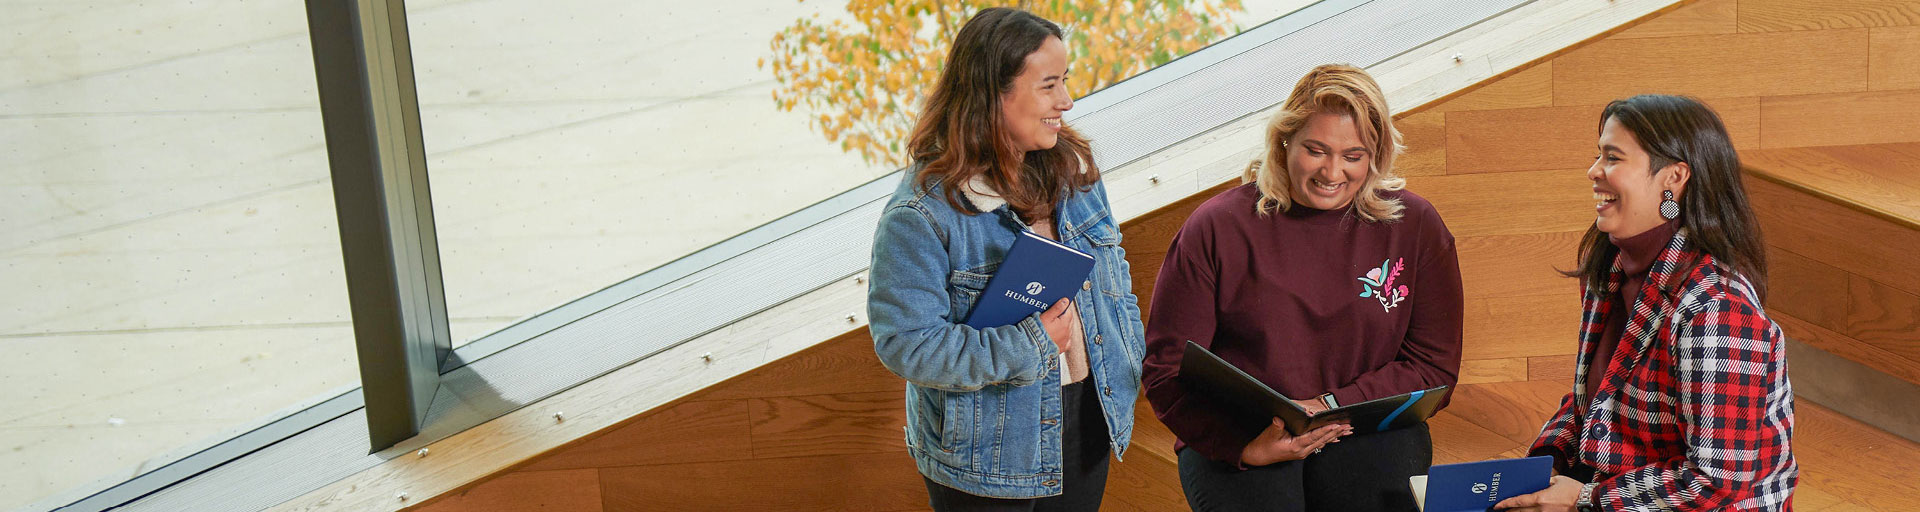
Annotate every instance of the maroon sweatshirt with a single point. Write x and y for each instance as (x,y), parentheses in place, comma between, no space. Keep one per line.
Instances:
(1309,302)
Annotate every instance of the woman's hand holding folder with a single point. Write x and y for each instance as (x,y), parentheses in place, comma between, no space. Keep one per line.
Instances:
(1275,445)
(1059,327)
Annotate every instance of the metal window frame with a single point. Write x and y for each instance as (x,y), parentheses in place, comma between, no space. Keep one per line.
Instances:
(371,112)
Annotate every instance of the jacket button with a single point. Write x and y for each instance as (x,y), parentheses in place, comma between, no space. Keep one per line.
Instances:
(1109,390)
(1069,225)
(1088,285)
(1096,339)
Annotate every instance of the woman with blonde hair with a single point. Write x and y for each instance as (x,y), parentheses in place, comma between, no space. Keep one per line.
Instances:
(1322,278)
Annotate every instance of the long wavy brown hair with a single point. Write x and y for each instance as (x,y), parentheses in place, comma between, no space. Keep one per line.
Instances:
(959,134)
(1713,210)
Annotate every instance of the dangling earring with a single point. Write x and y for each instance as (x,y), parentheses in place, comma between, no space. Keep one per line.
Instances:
(1669,209)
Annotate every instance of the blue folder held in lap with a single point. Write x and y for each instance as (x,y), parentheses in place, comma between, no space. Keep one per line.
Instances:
(1477,486)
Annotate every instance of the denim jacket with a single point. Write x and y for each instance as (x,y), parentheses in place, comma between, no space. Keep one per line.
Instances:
(983,405)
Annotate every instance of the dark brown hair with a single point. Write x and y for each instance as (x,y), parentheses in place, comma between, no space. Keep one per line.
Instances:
(1713,207)
(959,133)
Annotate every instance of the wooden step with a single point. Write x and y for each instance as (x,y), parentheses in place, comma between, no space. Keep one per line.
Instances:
(1882,180)
(1842,227)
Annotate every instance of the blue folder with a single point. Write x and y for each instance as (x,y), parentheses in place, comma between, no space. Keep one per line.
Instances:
(1476,486)
(1036,272)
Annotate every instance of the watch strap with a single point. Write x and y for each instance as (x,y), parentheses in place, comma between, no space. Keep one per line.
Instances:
(1585,503)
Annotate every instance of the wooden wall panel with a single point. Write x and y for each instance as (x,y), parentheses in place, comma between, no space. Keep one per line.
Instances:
(1787,15)
(1697,18)
(1806,288)
(1884,317)
(1833,235)
(1900,367)
(526,491)
(1510,203)
(1505,327)
(880,481)
(1560,137)
(1893,58)
(1741,116)
(1840,119)
(705,430)
(1529,88)
(1714,66)
(843,365)
(1552,368)
(1425,136)
(1518,265)
(828,424)
(1527,139)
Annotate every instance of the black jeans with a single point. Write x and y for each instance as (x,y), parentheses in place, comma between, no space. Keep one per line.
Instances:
(1361,472)
(1084,462)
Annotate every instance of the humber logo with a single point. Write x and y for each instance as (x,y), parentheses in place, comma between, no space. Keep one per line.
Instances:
(1479,488)
(1034,288)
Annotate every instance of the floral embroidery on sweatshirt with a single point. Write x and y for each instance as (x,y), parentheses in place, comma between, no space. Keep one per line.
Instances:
(1378,283)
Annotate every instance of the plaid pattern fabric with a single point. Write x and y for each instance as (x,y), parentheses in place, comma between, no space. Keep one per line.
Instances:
(1694,411)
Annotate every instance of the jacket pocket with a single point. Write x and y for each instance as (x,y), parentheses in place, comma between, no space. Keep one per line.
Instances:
(941,425)
(963,291)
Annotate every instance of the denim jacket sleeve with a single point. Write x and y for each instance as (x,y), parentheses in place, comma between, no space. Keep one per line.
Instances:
(909,316)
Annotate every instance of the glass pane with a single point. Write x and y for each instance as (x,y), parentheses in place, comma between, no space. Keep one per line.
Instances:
(172,270)
(576,143)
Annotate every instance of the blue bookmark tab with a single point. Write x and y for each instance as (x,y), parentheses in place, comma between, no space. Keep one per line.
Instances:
(1415,397)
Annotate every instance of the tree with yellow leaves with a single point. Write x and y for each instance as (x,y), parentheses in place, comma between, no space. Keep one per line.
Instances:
(866,79)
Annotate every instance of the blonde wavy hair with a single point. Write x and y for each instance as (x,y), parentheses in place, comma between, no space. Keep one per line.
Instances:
(1333,89)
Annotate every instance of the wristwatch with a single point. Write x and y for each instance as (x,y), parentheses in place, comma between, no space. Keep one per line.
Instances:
(1585,503)
(1327,398)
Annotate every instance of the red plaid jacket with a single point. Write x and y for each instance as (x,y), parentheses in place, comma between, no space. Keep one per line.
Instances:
(1694,411)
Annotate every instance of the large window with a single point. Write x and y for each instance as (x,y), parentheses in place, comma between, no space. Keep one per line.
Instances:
(172,274)
(575,143)
(171,252)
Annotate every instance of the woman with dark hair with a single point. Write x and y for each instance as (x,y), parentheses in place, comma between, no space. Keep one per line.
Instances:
(1680,397)
(1021,416)
(1324,279)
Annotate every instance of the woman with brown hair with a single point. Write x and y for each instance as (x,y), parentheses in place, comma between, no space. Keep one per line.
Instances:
(1326,281)
(1020,416)
(1680,397)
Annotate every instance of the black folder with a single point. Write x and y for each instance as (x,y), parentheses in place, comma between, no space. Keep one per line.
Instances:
(1246,396)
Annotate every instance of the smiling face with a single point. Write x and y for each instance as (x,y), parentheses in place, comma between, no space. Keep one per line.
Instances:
(1628,195)
(1327,162)
(1031,109)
